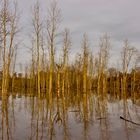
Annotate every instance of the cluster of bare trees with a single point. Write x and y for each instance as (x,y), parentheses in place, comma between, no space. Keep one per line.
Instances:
(45,74)
(9,19)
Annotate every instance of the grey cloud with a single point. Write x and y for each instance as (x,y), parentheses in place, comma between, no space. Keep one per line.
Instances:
(120,18)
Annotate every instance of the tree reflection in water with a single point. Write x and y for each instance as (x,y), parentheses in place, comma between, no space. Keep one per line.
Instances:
(73,116)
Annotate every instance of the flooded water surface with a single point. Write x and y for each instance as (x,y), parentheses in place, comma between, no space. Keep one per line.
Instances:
(75,117)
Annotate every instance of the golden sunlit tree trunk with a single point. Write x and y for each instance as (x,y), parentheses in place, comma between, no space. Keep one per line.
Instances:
(13,75)
(85,62)
(77,78)
(66,47)
(32,69)
(91,71)
(9,19)
(103,62)
(43,65)
(37,29)
(126,54)
(53,21)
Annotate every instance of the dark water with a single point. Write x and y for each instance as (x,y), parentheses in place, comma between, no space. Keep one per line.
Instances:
(75,117)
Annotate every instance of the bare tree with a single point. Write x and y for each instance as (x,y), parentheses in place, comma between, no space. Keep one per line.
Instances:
(103,58)
(127,56)
(9,19)
(53,20)
(66,47)
(85,45)
(37,29)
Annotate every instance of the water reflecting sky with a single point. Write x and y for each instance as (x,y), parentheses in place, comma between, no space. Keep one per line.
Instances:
(84,117)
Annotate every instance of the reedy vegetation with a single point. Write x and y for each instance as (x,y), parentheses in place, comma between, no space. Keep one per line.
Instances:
(46,75)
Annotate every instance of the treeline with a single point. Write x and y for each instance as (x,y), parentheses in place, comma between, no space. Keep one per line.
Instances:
(45,74)
(114,85)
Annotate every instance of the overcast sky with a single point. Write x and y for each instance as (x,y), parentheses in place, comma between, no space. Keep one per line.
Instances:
(119,18)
